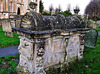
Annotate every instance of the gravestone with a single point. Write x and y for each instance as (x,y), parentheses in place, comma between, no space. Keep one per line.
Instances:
(7,28)
(91,38)
(12,22)
(15,20)
(98,23)
(99,33)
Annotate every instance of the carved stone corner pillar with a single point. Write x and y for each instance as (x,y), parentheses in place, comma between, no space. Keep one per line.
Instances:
(26,50)
(40,50)
(31,52)
(80,53)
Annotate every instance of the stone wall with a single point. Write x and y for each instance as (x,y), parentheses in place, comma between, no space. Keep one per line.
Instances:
(42,53)
(20,7)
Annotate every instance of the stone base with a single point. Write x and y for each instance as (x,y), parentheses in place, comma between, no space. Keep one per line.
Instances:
(9,34)
(56,69)
(49,70)
(20,70)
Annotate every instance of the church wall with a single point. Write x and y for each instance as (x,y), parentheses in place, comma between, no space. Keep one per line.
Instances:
(8,7)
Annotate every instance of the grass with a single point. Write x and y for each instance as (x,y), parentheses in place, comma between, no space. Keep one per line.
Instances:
(8,64)
(98,29)
(7,41)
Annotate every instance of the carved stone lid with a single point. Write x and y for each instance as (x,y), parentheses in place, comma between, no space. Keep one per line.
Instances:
(34,22)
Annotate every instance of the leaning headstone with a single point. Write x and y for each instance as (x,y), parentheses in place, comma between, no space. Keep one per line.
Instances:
(91,38)
(98,23)
(99,33)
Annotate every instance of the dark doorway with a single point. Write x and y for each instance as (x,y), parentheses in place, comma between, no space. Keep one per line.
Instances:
(18,11)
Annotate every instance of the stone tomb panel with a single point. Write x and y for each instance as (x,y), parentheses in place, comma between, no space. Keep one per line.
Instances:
(53,51)
(73,48)
(56,47)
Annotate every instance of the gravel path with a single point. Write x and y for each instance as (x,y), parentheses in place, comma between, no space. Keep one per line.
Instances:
(7,51)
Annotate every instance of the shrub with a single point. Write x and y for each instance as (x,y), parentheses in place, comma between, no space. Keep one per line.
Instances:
(47,14)
(66,13)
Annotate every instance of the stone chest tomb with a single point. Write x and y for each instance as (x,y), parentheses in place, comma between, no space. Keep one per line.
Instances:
(49,42)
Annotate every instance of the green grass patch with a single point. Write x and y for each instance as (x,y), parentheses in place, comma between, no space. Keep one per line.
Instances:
(8,64)
(7,41)
(98,29)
